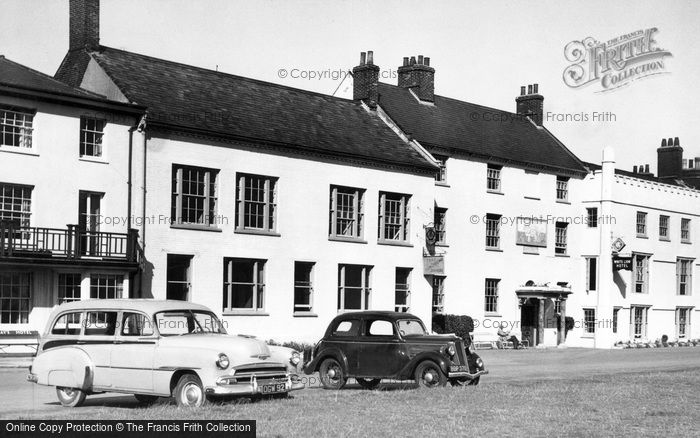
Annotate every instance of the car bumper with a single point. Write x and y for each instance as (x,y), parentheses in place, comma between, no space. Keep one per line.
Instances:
(470,376)
(254,386)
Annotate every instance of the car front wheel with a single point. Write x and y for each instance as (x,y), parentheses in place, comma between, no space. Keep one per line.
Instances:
(368,383)
(331,373)
(70,397)
(189,392)
(429,375)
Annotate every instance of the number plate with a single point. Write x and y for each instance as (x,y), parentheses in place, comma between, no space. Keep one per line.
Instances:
(272,388)
(458,368)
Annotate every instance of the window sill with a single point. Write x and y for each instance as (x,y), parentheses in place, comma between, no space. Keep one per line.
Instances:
(532,198)
(588,335)
(441,184)
(495,192)
(195,227)
(442,244)
(665,239)
(642,236)
(686,242)
(394,243)
(562,255)
(244,313)
(93,160)
(347,239)
(305,315)
(563,201)
(494,249)
(18,150)
(256,232)
(496,314)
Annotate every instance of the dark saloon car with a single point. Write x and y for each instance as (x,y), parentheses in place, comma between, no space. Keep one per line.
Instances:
(373,345)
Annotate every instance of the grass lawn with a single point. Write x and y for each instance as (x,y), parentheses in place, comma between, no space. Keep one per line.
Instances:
(580,393)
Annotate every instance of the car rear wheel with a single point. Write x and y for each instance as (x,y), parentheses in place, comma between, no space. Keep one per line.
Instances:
(368,383)
(331,373)
(70,397)
(146,399)
(429,375)
(189,392)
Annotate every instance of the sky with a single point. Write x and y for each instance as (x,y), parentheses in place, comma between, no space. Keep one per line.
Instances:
(482,52)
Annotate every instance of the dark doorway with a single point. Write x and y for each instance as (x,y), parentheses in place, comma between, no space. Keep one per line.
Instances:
(179,277)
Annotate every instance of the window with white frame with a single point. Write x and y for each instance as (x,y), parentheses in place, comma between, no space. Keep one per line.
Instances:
(562,188)
(106,286)
(560,238)
(493,231)
(684,276)
(441,174)
(256,202)
(15,204)
(69,287)
(638,321)
(591,274)
(303,286)
(663,228)
(402,290)
(641,273)
(592,217)
(91,134)
(354,288)
(438,284)
(685,230)
(244,284)
(394,217)
(16,127)
(15,297)
(683,322)
(491,295)
(589,322)
(194,195)
(346,212)
(440,224)
(641,224)
(493,178)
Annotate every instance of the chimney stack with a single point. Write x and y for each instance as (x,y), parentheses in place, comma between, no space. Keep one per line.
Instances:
(531,104)
(419,76)
(365,80)
(84,24)
(669,159)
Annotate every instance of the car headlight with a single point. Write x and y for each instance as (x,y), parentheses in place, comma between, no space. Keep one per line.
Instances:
(450,350)
(222,362)
(295,359)
(479,363)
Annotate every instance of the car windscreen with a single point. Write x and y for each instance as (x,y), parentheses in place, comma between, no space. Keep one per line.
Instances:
(411,327)
(184,322)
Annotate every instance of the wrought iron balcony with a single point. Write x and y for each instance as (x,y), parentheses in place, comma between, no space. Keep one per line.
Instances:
(68,243)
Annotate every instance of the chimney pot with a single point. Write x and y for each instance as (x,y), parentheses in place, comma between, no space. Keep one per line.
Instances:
(522,90)
(676,142)
(646,168)
(529,89)
(534,88)
(363,56)
(663,142)
(426,60)
(370,57)
(420,59)
(634,169)
(405,60)
(413,60)
(669,142)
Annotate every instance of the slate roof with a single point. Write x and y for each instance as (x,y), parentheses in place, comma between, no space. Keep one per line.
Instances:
(476,130)
(185,97)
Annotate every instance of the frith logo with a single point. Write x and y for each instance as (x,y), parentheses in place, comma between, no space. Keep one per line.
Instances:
(615,63)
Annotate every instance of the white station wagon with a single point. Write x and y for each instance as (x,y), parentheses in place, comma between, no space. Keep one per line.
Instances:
(153,349)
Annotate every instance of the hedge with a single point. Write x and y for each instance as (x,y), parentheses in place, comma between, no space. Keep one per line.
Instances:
(460,325)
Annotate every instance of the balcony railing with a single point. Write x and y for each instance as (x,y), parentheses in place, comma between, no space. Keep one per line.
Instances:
(68,243)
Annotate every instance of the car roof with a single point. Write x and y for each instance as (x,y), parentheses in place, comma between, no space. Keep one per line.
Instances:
(368,314)
(145,305)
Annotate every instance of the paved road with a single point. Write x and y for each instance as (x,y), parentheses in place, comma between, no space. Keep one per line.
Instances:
(21,399)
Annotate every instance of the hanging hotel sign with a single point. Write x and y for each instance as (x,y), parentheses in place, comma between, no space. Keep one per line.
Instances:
(622,262)
(531,232)
(433,265)
(618,244)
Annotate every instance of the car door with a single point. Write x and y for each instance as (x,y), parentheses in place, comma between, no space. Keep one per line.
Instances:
(344,338)
(381,354)
(97,341)
(132,355)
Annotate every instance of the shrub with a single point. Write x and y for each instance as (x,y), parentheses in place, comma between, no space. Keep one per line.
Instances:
(460,325)
(301,347)
(568,323)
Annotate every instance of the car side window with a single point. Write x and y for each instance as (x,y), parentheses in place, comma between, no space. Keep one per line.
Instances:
(380,327)
(100,323)
(347,328)
(68,324)
(136,324)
